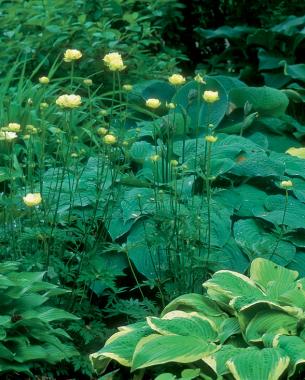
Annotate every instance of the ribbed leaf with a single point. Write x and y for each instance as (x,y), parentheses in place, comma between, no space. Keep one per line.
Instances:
(158,349)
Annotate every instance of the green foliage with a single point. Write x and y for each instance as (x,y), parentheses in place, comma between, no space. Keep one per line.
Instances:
(28,326)
(245,327)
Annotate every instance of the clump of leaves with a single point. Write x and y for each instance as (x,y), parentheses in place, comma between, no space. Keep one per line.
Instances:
(246,327)
(29,332)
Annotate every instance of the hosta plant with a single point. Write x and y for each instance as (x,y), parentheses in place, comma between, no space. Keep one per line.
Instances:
(29,332)
(246,328)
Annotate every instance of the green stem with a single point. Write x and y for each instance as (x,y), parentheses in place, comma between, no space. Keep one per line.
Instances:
(282,226)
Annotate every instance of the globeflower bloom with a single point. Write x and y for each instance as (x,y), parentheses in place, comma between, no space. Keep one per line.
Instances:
(13,127)
(153,103)
(102,131)
(69,101)
(32,200)
(286,184)
(7,136)
(87,82)
(72,55)
(44,80)
(176,79)
(114,61)
(210,96)
(211,138)
(127,87)
(110,139)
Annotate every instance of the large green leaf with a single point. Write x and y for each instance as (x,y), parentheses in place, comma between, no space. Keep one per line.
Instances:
(186,324)
(294,347)
(265,100)
(255,242)
(273,278)
(159,349)
(273,321)
(265,364)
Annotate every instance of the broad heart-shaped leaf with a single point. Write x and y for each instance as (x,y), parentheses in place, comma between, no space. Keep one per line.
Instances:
(255,242)
(190,102)
(265,364)
(217,361)
(152,89)
(121,345)
(294,166)
(272,321)
(159,349)
(265,100)
(228,328)
(274,211)
(141,150)
(186,324)
(225,285)
(294,347)
(194,302)
(250,197)
(272,277)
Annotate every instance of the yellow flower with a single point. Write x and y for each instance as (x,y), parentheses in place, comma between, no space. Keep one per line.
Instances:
(103,112)
(286,184)
(72,55)
(74,155)
(32,199)
(127,87)
(87,82)
(153,103)
(176,79)
(69,101)
(210,96)
(210,138)
(170,106)
(13,127)
(155,157)
(43,105)
(199,79)
(174,163)
(114,61)
(7,136)
(110,139)
(297,152)
(44,80)
(31,129)
(102,131)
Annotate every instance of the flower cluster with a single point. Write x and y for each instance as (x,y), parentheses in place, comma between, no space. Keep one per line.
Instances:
(114,62)
(69,101)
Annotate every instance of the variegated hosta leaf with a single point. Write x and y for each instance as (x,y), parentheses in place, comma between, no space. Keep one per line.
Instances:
(275,322)
(159,349)
(196,302)
(186,324)
(274,279)
(294,347)
(121,345)
(217,360)
(225,285)
(265,364)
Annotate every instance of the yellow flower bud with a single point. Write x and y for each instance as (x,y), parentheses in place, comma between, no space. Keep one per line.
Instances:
(210,96)
(72,55)
(32,199)
(155,157)
(286,184)
(74,155)
(153,103)
(114,61)
(87,82)
(102,131)
(176,79)
(13,127)
(110,139)
(43,105)
(69,101)
(174,163)
(170,106)
(211,138)
(31,129)
(30,101)
(103,112)
(127,87)
(199,79)
(44,80)
(26,137)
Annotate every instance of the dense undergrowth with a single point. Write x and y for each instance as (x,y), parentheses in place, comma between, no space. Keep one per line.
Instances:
(126,182)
